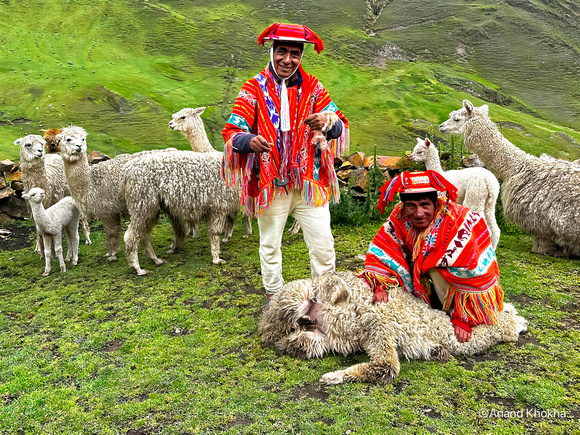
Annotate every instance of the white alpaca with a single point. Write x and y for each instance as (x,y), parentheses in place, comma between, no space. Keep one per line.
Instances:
(188,187)
(98,189)
(50,224)
(335,313)
(540,195)
(477,188)
(190,123)
(47,172)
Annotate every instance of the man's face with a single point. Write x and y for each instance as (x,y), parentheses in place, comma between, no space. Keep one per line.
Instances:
(420,212)
(286,59)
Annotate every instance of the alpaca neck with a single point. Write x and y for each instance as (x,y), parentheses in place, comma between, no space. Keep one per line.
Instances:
(78,177)
(498,154)
(198,138)
(432,161)
(40,216)
(35,166)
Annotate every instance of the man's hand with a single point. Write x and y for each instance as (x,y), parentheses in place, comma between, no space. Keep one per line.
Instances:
(260,145)
(316,121)
(462,335)
(380,296)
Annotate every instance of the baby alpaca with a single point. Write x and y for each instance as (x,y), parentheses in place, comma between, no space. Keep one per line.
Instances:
(477,188)
(335,313)
(51,222)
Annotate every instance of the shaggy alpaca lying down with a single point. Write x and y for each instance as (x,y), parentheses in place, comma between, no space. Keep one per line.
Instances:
(335,313)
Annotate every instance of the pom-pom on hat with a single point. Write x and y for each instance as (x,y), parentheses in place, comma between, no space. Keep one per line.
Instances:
(291,32)
(416,182)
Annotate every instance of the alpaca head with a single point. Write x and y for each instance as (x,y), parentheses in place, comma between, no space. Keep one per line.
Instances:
(458,118)
(72,142)
(36,195)
(300,314)
(421,150)
(31,147)
(187,119)
(52,145)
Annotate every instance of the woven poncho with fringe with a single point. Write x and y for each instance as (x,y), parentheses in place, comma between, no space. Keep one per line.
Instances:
(257,110)
(457,242)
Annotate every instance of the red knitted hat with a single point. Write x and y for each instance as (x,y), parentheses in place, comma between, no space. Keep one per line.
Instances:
(416,182)
(291,32)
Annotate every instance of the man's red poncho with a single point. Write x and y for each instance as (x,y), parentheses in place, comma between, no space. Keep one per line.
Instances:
(457,243)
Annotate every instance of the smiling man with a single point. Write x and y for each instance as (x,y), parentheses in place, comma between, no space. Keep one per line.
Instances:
(436,249)
(269,150)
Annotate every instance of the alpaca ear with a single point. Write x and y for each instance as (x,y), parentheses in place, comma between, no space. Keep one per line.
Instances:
(484,110)
(341,296)
(26,196)
(18,142)
(198,111)
(427,141)
(468,106)
(419,140)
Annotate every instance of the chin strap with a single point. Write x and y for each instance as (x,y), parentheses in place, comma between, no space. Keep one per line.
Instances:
(284,106)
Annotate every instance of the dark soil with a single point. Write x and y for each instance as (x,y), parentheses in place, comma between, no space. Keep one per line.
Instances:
(18,238)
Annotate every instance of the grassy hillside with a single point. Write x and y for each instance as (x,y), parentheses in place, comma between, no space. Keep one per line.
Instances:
(120,69)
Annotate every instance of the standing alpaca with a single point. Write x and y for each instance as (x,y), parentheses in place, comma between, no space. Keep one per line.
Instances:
(51,222)
(47,172)
(188,187)
(98,189)
(477,188)
(189,122)
(540,195)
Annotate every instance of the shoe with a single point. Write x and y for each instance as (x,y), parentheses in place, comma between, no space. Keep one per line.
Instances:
(266,303)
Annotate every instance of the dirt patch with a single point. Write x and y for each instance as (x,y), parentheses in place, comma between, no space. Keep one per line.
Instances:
(526,338)
(112,346)
(507,403)
(240,421)
(521,299)
(139,431)
(15,236)
(311,391)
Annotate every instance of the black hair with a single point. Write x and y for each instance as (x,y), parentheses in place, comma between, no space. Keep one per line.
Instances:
(298,44)
(419,196)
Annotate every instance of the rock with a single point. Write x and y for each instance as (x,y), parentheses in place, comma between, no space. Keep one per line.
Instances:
(97,156)
(357,159)
(344,174)
(7,166)
(6,192)
(14,207)
(358,180)
(347,165)
(13,176)
(472,161)
(2,182)
(383,162)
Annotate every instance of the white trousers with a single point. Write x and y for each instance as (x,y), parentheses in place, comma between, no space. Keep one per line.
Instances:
(315,224)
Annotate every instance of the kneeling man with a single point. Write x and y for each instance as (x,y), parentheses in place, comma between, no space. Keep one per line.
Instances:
(437,250)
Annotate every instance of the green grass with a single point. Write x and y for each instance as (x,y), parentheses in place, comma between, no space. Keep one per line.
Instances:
(100,350)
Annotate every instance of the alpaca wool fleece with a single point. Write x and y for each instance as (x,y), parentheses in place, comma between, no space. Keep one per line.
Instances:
(335,314)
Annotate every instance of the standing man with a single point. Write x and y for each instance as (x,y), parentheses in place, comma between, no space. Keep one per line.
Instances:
(269,150)
(436,249)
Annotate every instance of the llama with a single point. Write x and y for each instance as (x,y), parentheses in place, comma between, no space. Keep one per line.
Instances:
(189,122)
(188,187)
(541,196)
(98,189)
(50,224)
(47,172)
(477,188)
(335,313)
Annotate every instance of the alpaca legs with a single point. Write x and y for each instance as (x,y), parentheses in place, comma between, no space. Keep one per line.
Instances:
(248,221)
(492,224)
(72,234)
(47,242)
(57,240)
(131,245)
(86,230)
(229,227)
(179,233)
(215,223)
(112,232)
(380,370)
